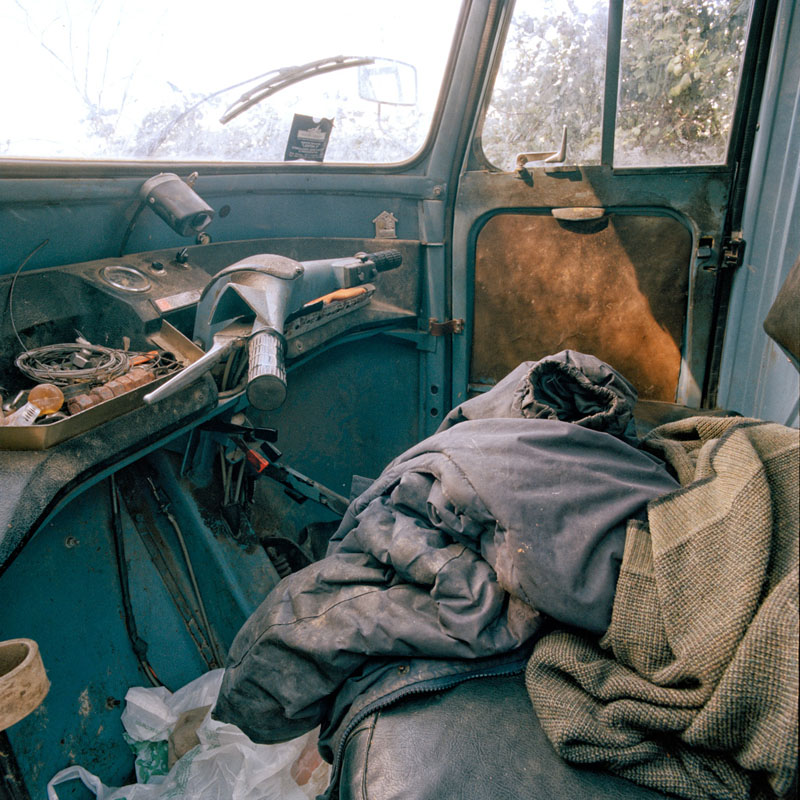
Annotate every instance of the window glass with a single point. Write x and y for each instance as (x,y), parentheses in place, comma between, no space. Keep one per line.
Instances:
(144,79)
(551,75)
(679,70)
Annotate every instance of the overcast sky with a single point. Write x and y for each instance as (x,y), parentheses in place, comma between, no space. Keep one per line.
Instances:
(56,55)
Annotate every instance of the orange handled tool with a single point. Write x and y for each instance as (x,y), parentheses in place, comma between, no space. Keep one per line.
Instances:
(339,294)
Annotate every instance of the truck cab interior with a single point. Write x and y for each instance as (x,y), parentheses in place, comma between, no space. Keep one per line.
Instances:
(250,257)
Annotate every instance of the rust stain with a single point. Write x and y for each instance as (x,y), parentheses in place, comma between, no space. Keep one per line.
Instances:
(84,704)
(523,621)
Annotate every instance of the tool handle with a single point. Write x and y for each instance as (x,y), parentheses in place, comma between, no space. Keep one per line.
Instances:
(191,373)
(266,377)
(338,294)
(384,260)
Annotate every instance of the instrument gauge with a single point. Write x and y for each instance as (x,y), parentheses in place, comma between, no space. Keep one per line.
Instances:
(126,279)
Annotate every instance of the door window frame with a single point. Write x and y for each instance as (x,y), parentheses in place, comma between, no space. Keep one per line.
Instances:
(762,13)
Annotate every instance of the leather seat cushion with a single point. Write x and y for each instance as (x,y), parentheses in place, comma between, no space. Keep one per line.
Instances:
(478,741)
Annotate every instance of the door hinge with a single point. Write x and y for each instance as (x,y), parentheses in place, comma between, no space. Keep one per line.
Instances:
(732,252)
(436,328)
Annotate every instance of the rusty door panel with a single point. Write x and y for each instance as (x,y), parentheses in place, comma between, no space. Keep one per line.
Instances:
(619,293)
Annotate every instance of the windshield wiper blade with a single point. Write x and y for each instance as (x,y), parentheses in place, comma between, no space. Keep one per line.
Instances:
(286,77)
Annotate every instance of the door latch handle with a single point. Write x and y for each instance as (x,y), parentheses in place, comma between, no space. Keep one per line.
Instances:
(526,161)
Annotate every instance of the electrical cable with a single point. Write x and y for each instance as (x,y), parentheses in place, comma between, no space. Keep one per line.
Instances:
(131,226)
(165,510)
(237,390)
(238,490)
(138,644)
(237,378)
(13,283)
(223,384)
(55,363)
(239,359)
(223,467)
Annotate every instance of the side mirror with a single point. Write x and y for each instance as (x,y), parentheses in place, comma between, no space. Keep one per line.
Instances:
(388,82)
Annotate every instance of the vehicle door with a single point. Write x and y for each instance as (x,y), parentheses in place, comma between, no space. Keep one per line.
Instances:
(599,205)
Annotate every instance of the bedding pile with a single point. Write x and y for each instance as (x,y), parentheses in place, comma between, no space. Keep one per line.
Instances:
(668,567)
(459,547)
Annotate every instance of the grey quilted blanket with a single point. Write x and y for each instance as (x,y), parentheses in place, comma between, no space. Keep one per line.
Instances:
(459,545)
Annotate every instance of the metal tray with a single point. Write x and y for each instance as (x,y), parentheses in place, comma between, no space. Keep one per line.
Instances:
(41,437)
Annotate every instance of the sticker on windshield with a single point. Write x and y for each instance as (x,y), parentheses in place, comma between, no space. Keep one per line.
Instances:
(308,138)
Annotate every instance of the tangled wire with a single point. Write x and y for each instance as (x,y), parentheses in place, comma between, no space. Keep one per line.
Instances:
(68,364)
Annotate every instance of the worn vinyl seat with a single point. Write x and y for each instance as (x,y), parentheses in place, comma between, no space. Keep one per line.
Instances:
(477,741)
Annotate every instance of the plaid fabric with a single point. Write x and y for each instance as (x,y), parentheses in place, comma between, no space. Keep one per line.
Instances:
(693,690)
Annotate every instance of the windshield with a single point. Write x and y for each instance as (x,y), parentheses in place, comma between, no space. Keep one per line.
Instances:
(139,79)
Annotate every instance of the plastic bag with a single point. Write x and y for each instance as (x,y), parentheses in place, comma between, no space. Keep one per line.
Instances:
(225,765)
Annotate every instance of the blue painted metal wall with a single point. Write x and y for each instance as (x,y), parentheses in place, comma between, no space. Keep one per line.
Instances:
(756,378)
(63,591)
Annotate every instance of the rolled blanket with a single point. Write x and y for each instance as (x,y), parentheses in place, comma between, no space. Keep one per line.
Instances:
(568,386)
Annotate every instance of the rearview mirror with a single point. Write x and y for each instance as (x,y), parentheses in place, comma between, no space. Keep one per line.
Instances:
(389,82)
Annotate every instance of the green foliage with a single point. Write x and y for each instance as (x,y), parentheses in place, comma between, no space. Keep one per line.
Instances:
(680,62)
(552,75)
(189,129)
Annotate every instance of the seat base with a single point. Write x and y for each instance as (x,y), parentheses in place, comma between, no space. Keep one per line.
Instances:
(478,741)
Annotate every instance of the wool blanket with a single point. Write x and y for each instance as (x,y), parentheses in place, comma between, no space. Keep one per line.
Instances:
(693,689)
